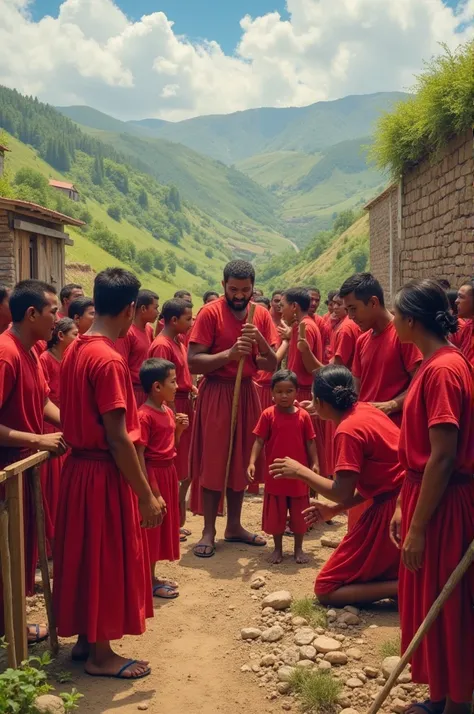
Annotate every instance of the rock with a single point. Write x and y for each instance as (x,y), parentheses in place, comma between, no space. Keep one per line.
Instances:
(305,663)
(354,653)
(283,687)
(388,665)
(320,631)
(348,618)
(326,644)
(398,706)
(279,600)
(331,614)
(324,666)
(290,656)
(257,582)
(267,611)
(255,668)
(371,672)
(330,542)
(143,707)
(354,683)
(268,660)
(304,636)
(340,638)
(273,695)
(285,673)
(405,678)
(308,652)
(342,625)
(250,633)
(49,704)
(344,701)
(286,706)
(398,692)
(373,627)
(245,668)
(352,609)
(349,710)
(337,658)
(273,634)
(299,621)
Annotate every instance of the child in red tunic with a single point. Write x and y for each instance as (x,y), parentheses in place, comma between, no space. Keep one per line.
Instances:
(65,331)
(464,337)
(178,318)
(82,311)
(135,345)
(284,430)
(434,525)
(101,572)
(364,568)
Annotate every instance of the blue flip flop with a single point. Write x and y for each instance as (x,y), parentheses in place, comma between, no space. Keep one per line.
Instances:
(38,636)
(167,588)
(119,674)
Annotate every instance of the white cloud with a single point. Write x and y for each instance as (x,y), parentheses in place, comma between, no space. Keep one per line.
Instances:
(93,54)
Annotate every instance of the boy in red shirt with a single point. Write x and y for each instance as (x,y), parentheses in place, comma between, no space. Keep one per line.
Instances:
(82,311)
(344,336)
(161,430)
(179,295)
(68,293)
(101,572)
(178,319)
(464,337)
(5,314)
(284,430)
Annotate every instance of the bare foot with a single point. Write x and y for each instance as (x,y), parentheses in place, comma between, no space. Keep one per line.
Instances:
(37,633)
(112,666)
(276,557)
(301,557)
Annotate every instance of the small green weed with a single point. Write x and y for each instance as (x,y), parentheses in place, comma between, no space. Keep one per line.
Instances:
(391,648)
(318,690)
(63,677)
(308,608)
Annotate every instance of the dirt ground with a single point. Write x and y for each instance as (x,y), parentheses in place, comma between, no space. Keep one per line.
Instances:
(193,643)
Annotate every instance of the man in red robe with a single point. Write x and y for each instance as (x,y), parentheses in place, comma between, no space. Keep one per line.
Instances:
(68,293)
(220,338)
(24,403)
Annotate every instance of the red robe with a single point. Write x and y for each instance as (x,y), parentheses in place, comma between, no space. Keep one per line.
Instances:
(366,443)
(134,349)
(464,339)
(102,586)
(167,348)
(441,393)
(23,392)
(158,436)
(343,341)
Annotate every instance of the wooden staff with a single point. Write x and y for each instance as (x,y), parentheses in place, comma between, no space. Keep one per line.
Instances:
(235,407)
(433,613)
(7,586)
(43,558)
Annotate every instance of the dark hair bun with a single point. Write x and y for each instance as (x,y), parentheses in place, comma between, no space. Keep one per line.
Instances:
(447,322)
(344,397)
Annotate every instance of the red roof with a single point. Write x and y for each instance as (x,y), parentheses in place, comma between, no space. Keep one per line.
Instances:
(36,211)
(62,184)
(4,148)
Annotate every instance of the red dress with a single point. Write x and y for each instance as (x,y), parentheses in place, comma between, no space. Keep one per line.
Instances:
(158,436)
(366,443)
(102,586)
(217,328)
(441,393)
(284,435)
(167,348)
(23,391)
(134,349)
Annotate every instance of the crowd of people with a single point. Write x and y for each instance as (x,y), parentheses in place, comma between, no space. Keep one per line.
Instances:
(368,407)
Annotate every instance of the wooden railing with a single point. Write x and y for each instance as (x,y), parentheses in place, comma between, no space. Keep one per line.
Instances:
(12,554)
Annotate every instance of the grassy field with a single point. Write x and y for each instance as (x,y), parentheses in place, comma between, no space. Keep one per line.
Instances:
(280,170)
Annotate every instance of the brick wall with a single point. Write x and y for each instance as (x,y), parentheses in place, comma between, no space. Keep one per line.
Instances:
(7,258)
(383,223)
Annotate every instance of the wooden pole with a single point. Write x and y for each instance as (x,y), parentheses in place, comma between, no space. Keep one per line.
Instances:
(7,586)
(16,536)
(235,408)
(433,613)
(43,557)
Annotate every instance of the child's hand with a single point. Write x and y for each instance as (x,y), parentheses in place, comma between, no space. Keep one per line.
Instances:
(163,505)
(318,513)
(303,345)
(251,473)
(182,422)
(284,331)
(315,468)
(285,468)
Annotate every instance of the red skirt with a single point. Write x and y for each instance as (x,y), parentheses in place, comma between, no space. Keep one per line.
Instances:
(102,584)
(366,554)
(184,405)
(211,435)
(325,463)
(140,395)
(276,510)
(445,658)
(50,482)
(163,541)
(354,514)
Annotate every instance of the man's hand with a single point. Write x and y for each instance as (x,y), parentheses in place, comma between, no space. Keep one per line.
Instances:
(54,443)
(151,512)
(285,468)
(413,549)
(251,473)
(242,348)
(386,407)
(319,513)
(252,332)
(182,422)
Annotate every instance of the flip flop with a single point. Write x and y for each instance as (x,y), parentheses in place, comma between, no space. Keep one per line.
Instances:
(252,541)
(167,588)
(183,538)
(38,638)
(185,531)
(119,674)
(205,554)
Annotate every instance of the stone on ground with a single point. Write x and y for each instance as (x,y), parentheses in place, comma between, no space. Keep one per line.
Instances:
(349,710)
(326,644)
(337,658)
(283,687)
(279,600)
(250,633)
(308,652)
(354,653)
(299,621)
(304,636)
(352,609)
(258,582)
(273,634)
(305,664)
(285,673)
(371,672)
(348,618)
(398,706)
(49,704)
(290,656)
(330,542)
(331,614)
(388,665)
(354,683)
(324,666)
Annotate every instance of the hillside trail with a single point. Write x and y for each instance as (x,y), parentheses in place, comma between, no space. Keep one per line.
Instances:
(193,643)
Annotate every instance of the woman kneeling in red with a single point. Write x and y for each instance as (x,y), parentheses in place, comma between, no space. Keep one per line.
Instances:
(364,568)
(435,523)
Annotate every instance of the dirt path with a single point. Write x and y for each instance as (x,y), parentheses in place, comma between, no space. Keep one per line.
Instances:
(193,643)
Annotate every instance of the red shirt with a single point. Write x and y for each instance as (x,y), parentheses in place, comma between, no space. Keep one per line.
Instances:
(157,431)
(134,349)
(217,328)
(262,377)
(295,359)
(285,435)
(441,393)
(23,391)
(343,341)
(166,348)
(366,442)
(324,329)
(94,380)
(383,366)
(40,347)
(464,339)
(51,368)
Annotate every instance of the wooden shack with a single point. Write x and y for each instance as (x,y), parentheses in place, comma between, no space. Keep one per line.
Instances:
(32,242)
(3,149)
(65,187)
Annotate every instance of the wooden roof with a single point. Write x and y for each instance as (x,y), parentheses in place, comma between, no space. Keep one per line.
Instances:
(62,184)
(35,211)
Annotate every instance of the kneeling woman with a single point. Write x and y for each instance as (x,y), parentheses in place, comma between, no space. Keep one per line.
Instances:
(364,568)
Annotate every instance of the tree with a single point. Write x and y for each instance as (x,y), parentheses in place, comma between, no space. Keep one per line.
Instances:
(115,213)
(145,260)
(171,264)
(98,171)
(209,253)
(143,199)
(344,220)
(359,259)
(173,199)
(158,261)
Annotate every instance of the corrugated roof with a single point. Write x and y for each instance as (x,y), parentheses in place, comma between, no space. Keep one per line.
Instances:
(4,148)
(62,184)
(36,211)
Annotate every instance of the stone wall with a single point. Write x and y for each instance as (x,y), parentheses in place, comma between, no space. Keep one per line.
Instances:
(7,257)
(383,224)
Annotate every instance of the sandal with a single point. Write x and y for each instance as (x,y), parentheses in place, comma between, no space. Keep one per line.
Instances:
(172,594)
(36,634)
(208,552)
(119,674)
(185,531)
(251,541)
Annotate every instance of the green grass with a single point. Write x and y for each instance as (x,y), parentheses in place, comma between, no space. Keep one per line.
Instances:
(318,690)
(279,170)
(391,648)
(307,607)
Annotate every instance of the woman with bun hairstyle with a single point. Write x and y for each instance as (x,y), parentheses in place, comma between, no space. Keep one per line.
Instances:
(434,521)
(364,568)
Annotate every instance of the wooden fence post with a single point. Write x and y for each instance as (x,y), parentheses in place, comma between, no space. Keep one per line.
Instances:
(16,533)
(7,586)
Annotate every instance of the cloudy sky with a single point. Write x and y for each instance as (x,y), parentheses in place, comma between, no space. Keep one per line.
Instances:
(176,59)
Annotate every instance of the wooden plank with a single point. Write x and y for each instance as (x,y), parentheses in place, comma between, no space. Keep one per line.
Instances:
(28,463)
(16,533)
(20,225)
(5,561)
(43,269)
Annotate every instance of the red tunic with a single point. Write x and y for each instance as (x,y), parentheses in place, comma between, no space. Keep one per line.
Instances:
(101,571)
(158,436)
(167,348)
(464,339)
(366,443)
(217,328)
(441,393)
(325,331)
(343,341)
(383,366)
(134,349)
(295,359)
(40,347)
